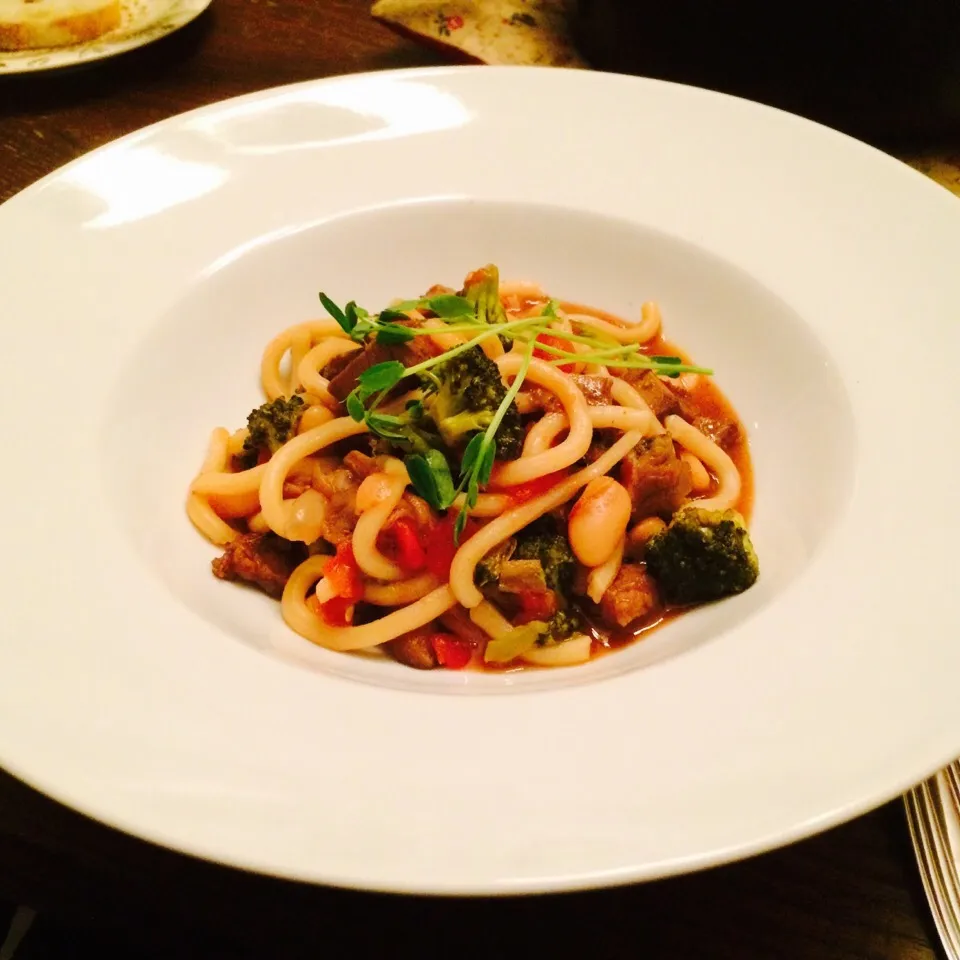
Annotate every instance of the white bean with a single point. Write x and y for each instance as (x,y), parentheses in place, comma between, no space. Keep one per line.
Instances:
(598,521)
(305,518)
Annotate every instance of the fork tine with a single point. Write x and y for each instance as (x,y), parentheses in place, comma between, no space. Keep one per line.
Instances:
(919,826)
(943,860)
(944,806)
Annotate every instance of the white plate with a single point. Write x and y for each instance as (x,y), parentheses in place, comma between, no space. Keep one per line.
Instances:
(140,284)
(141,22)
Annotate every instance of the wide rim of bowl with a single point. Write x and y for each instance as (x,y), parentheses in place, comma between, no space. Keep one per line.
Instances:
(94,744)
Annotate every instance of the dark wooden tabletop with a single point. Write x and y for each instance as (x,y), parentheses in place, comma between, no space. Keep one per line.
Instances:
(850,894)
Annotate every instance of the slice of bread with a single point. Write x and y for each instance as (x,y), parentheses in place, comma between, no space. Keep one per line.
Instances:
(33,24)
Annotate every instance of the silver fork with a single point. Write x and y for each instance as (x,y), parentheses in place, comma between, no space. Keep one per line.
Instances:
(926,813)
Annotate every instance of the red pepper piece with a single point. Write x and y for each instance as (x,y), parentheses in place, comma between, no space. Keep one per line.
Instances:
(453,652)
(442,547)
(551,341)
(343,573)
(401,543)
(541,605)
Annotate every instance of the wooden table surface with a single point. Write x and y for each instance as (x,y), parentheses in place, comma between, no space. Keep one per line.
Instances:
(850,894)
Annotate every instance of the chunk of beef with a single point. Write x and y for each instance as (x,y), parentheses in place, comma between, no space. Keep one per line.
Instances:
(602,441)
(597,391)
(374,353)
(298,481)
(655,477)
(538,398)
(458,622)
(263,559)
(360,463)
(409,354)
(659,397)
(632,595)
(414,649)
(722,431)
(416,350)
(335,364)
(293,488)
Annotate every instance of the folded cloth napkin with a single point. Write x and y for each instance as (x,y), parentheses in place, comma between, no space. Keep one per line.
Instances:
(486,31)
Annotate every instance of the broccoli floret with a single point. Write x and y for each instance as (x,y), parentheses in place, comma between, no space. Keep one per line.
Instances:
(270,426)
(410,431)
(562,625)
(543,540)
(702,555)
(488,569)
(468,397)
(482,288)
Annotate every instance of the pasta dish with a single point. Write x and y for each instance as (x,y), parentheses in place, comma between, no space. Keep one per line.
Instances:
(485,477)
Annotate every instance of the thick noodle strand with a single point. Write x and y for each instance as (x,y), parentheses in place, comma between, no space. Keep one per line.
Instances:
(368,556)
(600,578)
(541,435)
(292,452)
(713,457)
(302,619)
(646,329)
(227,484)
(270,376)
(578,438)
(309,367)
(201,513)
(507,524)
(401,592)
(299,346)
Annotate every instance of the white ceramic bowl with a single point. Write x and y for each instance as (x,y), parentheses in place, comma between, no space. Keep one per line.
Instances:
(140,284)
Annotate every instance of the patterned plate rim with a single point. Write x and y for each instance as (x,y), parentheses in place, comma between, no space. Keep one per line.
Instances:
(138,33)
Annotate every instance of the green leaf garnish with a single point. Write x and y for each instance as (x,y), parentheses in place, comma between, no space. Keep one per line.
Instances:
(486,463)
(386,425)
(355,406)
(337,313)
(360,320)
(381,376)
(431,478)
(390,334)
(353,320)
(470,454)
(449,305)
(392,314)
(670,361)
